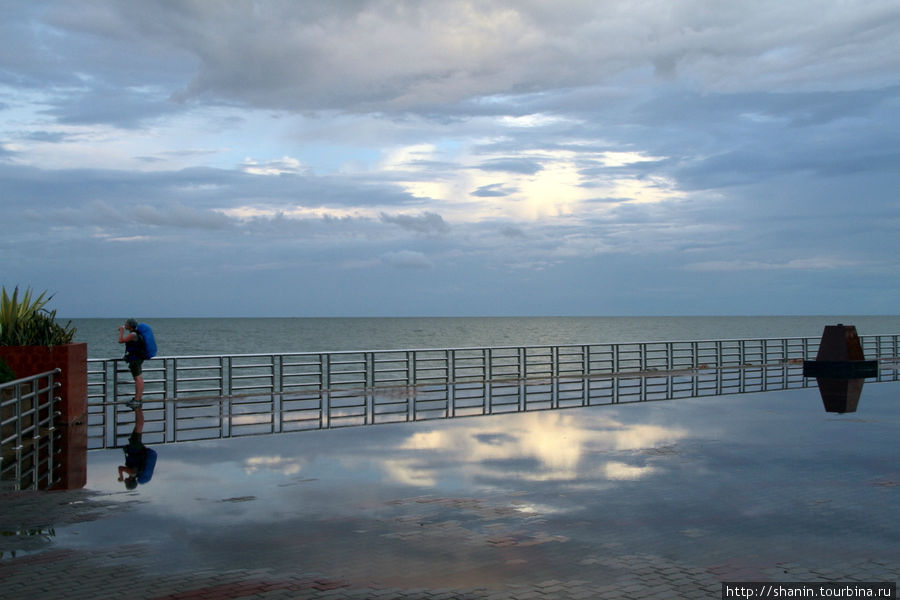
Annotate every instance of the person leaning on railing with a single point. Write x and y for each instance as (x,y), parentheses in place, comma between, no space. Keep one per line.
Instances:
(134,356)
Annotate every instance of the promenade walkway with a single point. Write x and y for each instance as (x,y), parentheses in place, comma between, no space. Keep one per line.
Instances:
(646,500)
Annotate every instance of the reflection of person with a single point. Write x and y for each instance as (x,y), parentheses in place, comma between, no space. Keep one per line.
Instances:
(134,356)
(139,459)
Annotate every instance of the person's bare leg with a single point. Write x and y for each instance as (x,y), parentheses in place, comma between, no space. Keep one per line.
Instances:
(139,420)
(138,388)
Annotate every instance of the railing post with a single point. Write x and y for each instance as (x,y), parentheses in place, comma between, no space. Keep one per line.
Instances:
(325,395)
(615,358)
(168,392)
(277,373)
(521,375)
(225,384)
(488,360)
(51,452)
(586,374)
(451,367)
(115,381)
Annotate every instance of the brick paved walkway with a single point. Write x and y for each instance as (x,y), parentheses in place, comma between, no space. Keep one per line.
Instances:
(135,570)
(767,513)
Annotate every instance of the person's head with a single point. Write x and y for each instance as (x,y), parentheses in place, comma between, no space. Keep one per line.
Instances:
(131,324)
(131,483)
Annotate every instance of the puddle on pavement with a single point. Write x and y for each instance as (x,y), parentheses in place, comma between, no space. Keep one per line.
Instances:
(493,498)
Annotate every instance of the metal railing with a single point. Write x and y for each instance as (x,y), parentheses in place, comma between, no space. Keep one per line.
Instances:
(27,432)
(198,397)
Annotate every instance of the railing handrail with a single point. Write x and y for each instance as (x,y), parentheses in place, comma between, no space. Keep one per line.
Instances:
(475,348)
(21,380)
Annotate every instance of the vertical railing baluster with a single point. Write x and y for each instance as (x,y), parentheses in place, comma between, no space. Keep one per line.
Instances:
(226,385)
(554,376)
(412,379)
(488,360)
(615,358)
(325,393)
(369,378)
(585,379)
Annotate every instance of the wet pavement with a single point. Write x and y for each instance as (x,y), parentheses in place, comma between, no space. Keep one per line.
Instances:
(651,500)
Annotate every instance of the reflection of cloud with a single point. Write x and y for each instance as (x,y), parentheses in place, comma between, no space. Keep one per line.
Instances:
(534,446)
(428,440)
(405,472)
(619,470)
(635,437)
(287,466)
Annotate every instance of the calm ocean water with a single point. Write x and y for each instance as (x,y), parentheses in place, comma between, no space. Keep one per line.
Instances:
(189,336)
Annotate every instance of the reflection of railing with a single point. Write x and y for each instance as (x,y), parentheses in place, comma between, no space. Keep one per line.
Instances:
(28,434)
(205,397)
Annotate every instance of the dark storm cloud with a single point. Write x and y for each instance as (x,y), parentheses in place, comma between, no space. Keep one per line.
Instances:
(426,223)
(111,105)
(736,155)
(189,198)
(295,56)
(493,190)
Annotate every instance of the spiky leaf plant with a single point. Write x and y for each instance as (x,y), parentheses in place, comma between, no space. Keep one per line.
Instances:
(25,322)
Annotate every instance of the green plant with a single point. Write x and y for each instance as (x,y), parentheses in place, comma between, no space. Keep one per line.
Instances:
(25,322)
(6,374)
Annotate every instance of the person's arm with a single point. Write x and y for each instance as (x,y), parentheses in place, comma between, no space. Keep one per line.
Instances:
(123,470)
(125,338)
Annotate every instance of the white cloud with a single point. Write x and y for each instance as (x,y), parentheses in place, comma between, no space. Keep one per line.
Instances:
(278,166)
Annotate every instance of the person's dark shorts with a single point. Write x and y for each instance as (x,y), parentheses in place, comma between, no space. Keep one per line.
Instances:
(136,367)
(135,441)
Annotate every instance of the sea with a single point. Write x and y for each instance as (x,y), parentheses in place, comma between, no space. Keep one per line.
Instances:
(218,336)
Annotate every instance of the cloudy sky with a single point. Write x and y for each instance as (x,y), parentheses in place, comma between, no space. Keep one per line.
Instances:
(390,158)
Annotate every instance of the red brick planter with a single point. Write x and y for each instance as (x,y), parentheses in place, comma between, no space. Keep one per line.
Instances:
(70,358)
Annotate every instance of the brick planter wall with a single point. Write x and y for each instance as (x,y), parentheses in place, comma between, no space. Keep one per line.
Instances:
(71,358)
